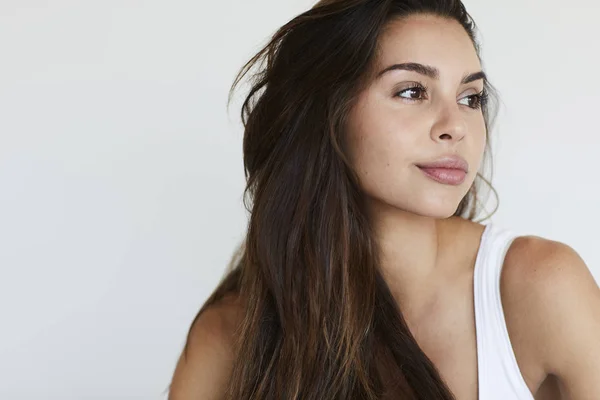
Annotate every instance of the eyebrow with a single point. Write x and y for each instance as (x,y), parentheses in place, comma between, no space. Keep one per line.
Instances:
(430,72)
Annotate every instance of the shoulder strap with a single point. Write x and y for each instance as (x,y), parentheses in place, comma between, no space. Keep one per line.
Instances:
(499,375)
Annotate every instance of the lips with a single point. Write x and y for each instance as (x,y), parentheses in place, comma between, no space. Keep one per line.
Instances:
(448,162)
(446,175)
(449,170)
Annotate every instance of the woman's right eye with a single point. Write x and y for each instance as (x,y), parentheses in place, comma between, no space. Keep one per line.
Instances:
(412,93)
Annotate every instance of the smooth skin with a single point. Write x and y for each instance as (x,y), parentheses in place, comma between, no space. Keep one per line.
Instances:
(550,299)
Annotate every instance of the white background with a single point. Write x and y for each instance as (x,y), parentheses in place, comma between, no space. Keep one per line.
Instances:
(121,171)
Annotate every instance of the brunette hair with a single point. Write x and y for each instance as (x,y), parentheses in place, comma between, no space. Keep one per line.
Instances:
(319,321)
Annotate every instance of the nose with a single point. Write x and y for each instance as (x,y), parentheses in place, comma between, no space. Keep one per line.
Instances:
(449,124)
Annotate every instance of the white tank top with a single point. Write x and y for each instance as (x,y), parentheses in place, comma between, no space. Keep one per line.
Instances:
(499,375)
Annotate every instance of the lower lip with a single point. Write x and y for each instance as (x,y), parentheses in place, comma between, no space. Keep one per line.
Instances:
(446,176)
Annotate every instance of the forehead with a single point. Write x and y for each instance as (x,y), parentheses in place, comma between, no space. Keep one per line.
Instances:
(431,40)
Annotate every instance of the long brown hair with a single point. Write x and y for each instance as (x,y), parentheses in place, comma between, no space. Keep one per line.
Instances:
(319,321)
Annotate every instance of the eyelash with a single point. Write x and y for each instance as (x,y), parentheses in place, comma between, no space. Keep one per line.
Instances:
(481,97)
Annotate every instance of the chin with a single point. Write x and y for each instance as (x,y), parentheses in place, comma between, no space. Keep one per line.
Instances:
(436,213)
(424,201)
(436,207)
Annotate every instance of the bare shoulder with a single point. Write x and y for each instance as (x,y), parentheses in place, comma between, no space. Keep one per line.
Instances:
(535,266)
(552,309)
(202,372)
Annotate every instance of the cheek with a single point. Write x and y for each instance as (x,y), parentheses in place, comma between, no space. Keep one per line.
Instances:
(478,144)
(379,133)
(379,141)
(381,152)
(481,138)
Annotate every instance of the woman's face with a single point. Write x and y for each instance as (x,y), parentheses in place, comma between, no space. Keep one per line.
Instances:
(406,118)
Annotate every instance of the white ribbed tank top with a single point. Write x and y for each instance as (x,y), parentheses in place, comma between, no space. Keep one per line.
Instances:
(499,375)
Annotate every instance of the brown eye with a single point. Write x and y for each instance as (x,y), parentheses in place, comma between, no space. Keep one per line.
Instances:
(412,93)
(472,101)
(475,101)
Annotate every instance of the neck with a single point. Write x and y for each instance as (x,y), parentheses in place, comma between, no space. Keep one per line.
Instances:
(413,253)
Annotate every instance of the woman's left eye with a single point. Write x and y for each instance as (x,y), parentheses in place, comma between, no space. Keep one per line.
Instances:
(474,101)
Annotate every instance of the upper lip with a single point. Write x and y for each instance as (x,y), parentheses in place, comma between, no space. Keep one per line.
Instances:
(450,162)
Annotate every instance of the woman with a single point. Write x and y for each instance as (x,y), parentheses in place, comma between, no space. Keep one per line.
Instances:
(363,274)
